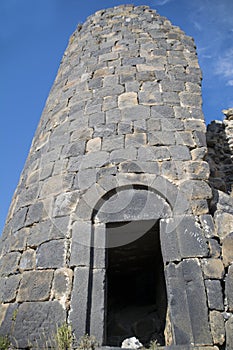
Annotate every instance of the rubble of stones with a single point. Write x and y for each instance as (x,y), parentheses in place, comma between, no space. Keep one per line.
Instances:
(125,108)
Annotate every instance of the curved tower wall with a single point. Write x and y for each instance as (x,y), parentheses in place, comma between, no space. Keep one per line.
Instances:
(124,117)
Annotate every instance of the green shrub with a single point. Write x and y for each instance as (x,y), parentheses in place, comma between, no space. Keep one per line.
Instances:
(154,345)
(64,337)
(4,342)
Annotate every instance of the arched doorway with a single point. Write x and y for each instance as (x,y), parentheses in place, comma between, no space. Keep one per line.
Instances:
(136,301)
(182,241)
(126,255)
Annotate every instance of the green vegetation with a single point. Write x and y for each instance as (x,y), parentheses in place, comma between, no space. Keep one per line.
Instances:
(64,337)
(154,345)
(4,342)
(87,342)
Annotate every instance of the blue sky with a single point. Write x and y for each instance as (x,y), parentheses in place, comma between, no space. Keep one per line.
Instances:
(34,35)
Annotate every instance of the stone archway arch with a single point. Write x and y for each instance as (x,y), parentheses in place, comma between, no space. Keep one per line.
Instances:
(92,199)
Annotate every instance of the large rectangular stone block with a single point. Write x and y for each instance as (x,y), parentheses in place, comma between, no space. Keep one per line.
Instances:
(36,213)
(197,304)
(79,301)
(36,323)
(181,237)
(191,238)
(100,245)
(187,303)
(161,138)
(214,294)
(169,243)
(135,113)
(56,257)
(81,244)
(229,287)
(178,304)
(229,333)
(118,156)
(35,286)
(217,326)
(97,325)
(94,160)
(18,220)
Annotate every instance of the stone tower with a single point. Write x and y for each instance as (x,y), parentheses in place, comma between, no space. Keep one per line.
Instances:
(112,227)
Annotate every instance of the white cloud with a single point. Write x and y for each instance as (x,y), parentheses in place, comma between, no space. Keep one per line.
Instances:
(198,26)
(162,2)
(224,66)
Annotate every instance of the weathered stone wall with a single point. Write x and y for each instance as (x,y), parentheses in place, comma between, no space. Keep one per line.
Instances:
(122,138)
(220,159)
(220,152)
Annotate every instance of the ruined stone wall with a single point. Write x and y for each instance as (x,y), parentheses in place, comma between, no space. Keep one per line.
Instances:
(220,152)
(123,125)
(220,160)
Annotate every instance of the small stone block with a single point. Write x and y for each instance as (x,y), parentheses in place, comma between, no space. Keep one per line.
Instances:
(56,256)
(135,140)
(212,268)
(214,294)
(93,145)
(127,99)
(227,249)
(217,327)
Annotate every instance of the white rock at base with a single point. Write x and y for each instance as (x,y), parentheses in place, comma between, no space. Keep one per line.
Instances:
(131,343)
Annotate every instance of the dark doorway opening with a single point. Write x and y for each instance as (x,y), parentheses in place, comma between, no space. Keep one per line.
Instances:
(136,300)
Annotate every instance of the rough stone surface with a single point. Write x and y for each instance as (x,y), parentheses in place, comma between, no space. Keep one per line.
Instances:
(196,301)
(35,322)
(183,238)
(229,333)
(80,244)
(9,263)
(217,327)
(8,311)
(133,205)
(62,284)
(56,256)
(35,286)
(224,223)
(219,140)
(181,324)
(8,288)
(213,268)
(98,302)
(227,249)
(214,294)
(208,225)
(229,288)
(79,301)
(28,260)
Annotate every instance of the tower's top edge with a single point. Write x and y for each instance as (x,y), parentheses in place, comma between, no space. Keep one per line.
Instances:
(126,14)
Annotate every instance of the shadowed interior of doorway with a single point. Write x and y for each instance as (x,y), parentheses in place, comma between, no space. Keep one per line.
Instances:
(136,301)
